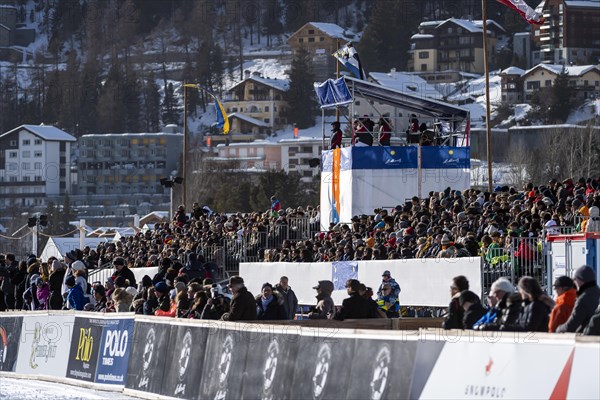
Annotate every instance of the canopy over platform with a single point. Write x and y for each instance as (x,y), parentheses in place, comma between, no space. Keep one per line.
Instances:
(343,91)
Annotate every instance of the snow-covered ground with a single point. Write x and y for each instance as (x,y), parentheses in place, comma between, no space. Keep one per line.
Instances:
(20,389)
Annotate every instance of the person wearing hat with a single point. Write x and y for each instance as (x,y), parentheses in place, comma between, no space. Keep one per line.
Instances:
(269,304)
(76,299)
(55,281)
(325,308)
(473,310)
(566,295)
(336,136)
(588,297)
(505,306)
(392,305)
(162,300)
(243,304)
(355,306)
(122,270)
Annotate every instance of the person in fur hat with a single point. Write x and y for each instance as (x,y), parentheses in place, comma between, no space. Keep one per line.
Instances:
(269,304)
(122,300)
(325,308)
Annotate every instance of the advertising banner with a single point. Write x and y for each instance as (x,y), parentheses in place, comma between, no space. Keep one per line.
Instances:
(586,366)
(500,369)
(83,357)
(45,345)
(270,367)
(115,350)
(184,366)
(10,334)
(148,357)
(381,369)
(322,368)
(225,363)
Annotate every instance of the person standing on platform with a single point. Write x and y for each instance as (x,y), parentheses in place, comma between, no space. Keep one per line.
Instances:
(385,132)
(355,306)
(336,136)
(325,308)
(362,136)
(243,304)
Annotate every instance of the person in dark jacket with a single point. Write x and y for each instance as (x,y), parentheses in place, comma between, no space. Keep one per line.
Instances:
(243,305)
(162,298)
(290,301)
(18,280)
(100,297)
(588,297)
(536,308)
(355,306)
(325,308)
(165,264)
(454,319)
(55,281)
(193,268)
(471,303)
(506,303)
(8,267)
(270,304)
(151,302)
(593,327)
(336,136)
(121,269)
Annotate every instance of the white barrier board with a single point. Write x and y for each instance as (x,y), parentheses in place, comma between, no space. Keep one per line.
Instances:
(45,345)
(423,282)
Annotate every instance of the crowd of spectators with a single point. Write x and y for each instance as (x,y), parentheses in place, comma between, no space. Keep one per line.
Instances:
(451,223)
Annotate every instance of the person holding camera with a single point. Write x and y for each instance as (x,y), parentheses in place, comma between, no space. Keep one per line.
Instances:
(216,305)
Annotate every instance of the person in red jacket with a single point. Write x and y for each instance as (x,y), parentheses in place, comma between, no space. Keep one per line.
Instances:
(336,136)
(385,132)
(565,301)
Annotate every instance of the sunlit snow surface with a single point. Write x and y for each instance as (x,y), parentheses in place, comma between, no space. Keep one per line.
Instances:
(21,389)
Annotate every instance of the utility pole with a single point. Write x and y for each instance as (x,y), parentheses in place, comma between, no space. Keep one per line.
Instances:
(488,128)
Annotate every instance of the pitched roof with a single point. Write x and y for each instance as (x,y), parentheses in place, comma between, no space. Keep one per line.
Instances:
(248,119)
(46,132)
(512,71)
(334,31)
(471,26)
(572,70)
(279,84)
(406,83)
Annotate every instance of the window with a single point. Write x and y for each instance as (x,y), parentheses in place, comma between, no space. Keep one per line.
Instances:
(423,54)
(37,153)
(423,67)
(37,165)
(13,143)
(311,39)
(267,120)
(26,166)
(465,40)
(311,31)
(12,154)
(533,85)
(548,83)
(301,40)
(26,142)
(26,179)
(26,154)
(266,108)
(321,39)
(38,141)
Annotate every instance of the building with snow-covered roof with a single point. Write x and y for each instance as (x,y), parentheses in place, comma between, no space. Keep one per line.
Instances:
(583,79)
(512,85)
(34,165)
(570,33)
(12,33)
(256,105)
(452,44)
(321,40)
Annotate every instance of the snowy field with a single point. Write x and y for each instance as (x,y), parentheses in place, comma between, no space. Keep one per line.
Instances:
(21,389)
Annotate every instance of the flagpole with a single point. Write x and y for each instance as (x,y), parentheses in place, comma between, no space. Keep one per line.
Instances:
(184,143)
(337,76)
(488,133)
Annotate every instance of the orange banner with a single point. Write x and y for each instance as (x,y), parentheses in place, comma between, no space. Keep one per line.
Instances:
(335,181)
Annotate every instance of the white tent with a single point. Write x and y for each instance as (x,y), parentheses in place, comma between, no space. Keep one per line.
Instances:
(59,246)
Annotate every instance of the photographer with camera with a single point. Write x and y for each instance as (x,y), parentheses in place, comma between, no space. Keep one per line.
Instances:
(216,305)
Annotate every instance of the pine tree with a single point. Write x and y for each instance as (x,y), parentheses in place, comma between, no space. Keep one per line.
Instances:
(561,100)
(151,107)
(300,96)
(170,114)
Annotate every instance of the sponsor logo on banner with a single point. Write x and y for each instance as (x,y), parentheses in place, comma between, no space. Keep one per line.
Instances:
(223,368)
(43,347)
(270,370)
(10,334)
(319,380)
(381,371)
(450,161)
(184,361)
(147,358)
(85,344)
(114,351)
(393,161)
(482,389)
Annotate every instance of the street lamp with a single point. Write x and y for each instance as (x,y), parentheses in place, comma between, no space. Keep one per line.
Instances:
(169,183)
(35,223)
